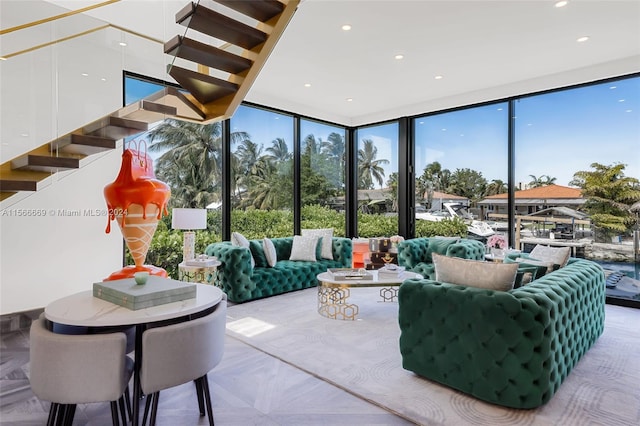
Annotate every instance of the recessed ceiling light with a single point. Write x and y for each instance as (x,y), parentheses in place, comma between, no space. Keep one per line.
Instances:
(620,100)
(103,79)
(84,74)
(629,110)
(346,27)
(561,3)
(122,43)
(613,87)
(438,77)
(582,39)
(444,130)
(307,85)
(399,56)
(24,135)
(349,99)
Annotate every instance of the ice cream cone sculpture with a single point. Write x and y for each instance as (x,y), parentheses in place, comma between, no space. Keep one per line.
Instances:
(137,201)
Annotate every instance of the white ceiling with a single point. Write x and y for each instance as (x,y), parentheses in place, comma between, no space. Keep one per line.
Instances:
(484,50)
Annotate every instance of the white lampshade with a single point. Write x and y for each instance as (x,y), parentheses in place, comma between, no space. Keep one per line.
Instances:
(189,219)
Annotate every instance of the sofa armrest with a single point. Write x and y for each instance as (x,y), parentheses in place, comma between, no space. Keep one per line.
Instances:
(342,249)
(467,249)
(235,272)
(413,252)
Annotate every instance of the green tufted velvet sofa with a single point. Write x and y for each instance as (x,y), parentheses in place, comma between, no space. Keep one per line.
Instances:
(512,348)
(242,283)
(415,254)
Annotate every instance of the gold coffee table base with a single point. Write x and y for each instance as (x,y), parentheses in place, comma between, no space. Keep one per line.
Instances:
(333,295)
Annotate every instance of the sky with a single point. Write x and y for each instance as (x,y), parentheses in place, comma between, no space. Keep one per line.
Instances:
(556,133)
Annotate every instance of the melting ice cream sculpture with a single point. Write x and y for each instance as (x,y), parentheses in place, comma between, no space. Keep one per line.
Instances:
(136,200)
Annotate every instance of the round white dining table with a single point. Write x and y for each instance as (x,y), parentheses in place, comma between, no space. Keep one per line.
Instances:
(83,309)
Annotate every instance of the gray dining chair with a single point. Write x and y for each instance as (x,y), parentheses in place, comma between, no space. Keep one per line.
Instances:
(180,353)
(78,369)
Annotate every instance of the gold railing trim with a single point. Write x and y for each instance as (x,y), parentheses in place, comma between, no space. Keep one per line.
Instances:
(56,17)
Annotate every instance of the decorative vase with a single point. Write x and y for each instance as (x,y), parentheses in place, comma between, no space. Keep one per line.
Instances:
(497,252)
(136,201)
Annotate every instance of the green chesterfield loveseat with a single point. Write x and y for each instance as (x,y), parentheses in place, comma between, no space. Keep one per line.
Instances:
(511,348)
(242,282)
(415,254)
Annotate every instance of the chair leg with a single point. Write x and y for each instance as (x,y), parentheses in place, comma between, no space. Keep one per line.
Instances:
(53,410)
(199,393)
(147,405)
(154,409)
(69,413)
(114,413)
(207,396)
(123,410)
(127,398)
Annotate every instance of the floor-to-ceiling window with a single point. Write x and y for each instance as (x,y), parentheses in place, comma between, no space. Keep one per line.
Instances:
(377,171)
(261,172)
(577,152)
(460,159)
(322,176)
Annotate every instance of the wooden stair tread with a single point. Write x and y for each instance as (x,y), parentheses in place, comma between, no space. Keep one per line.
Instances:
(12,185)
(205,54)
(261,10)
(214,24)
(203,87)
(45,163)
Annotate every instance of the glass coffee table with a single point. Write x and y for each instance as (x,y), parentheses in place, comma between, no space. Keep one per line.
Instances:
(333,294)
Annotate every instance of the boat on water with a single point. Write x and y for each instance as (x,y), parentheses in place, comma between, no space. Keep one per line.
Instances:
(476,228)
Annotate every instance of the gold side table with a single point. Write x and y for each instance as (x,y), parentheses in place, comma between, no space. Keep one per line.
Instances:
(199,274)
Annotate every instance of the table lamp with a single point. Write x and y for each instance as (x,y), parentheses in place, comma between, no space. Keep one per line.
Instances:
(188,220)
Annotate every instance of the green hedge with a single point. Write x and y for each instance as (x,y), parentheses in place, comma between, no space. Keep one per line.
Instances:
(165,250)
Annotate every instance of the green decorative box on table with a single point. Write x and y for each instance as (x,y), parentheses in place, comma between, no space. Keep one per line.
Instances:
(157,291)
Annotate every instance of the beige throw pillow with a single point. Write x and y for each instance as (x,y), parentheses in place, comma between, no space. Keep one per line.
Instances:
(327,242)
(269,252)
(239,240)
(475,273)
(304,248)
(555,255)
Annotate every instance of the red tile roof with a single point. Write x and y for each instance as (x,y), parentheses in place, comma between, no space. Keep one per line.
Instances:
(546,192)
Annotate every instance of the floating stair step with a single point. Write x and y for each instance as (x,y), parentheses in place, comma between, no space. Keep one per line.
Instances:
(203,87)
(44,163)
(146,111)
(183,103)
(12,185)
(205,54)
(116,128)
(207,21)
(261,10)
(83,144)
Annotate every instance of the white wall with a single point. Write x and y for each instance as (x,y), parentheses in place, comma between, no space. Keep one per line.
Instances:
(43,95)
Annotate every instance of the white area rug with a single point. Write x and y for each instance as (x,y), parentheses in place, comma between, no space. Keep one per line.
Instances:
(363,357)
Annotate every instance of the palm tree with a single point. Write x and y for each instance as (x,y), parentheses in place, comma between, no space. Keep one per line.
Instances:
(369,169)
(543,180)
(610,195)
(191,162)
(278,151)
(496,186)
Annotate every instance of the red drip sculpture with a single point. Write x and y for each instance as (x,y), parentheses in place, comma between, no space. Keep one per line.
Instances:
(137,201)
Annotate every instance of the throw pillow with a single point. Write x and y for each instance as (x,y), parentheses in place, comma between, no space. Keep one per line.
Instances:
(475,273)
(239,240)
(304,248)
(269,252)
(327,242)
(556,255)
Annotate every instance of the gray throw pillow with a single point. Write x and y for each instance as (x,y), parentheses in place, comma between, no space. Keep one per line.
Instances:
(475,273)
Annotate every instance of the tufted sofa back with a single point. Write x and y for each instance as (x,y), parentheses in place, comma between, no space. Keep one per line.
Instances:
(510,348)
(242,283)
(416,254)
